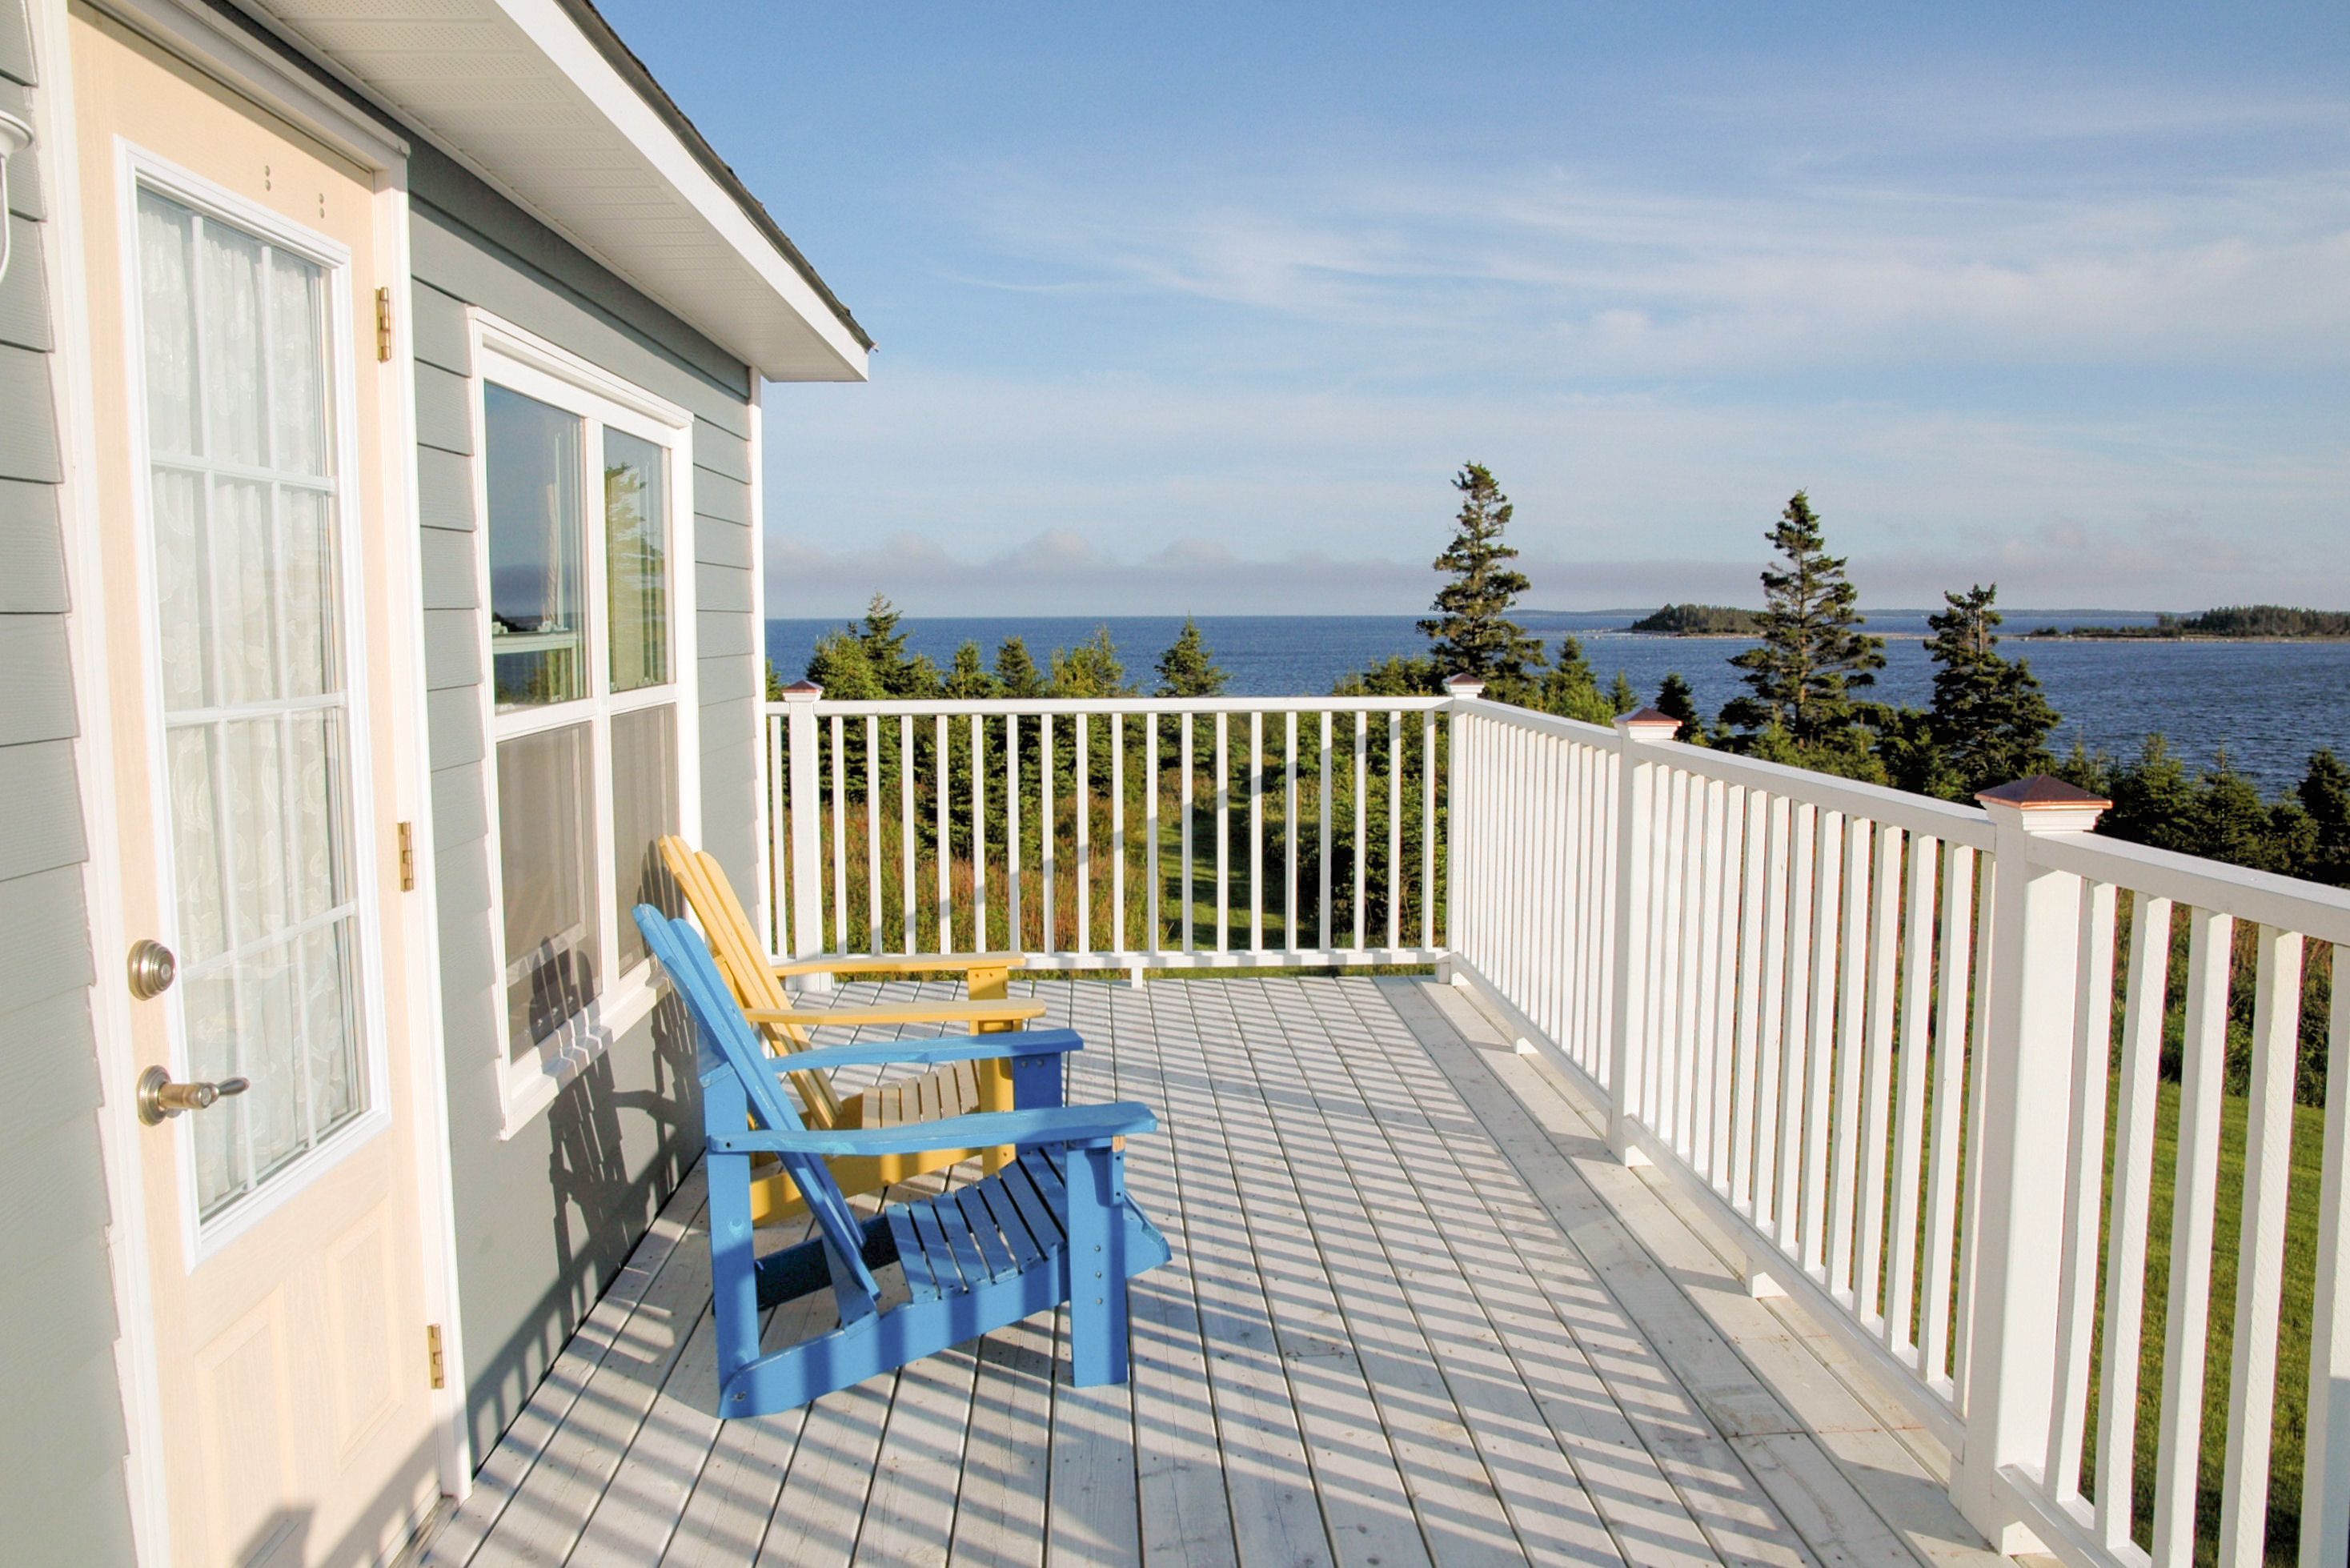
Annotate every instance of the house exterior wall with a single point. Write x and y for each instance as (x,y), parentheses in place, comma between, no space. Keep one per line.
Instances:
(545,1217)
(62,1492)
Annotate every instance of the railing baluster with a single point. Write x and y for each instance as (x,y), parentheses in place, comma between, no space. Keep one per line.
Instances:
(779,834)
(2326,1453)
(1256,833)
(1909,1118)
(2260,1248)
(979,935)
(1048,829)
(2144,1007)
(1703,1082)
(1362,814)
(1666,1025)
(1082,802)
(1851,1053)
(1764,1092)
(944,773)
(872,833)
(1223,799)
(1787,1140)
(1185,806)
(2085,1195)
(1395,830)
(1729,888)
(840,842)
(1322,837)
(1012,910)
(2201,1083)
(1117,831)
(1877,1048)
(907,843)
(1945,1121)
(1289,942)
(1150,828)
(1819,1041)
(1426,827)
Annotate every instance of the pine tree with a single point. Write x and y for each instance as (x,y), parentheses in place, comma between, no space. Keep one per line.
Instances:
(1990,722)
(2324,794)
(1570,690)
(1016,670)
(969,680)
(1677,699)
(899,673)
(1621,698)
(1189,667)
(1471,630)
(1090,670)
(1813,654)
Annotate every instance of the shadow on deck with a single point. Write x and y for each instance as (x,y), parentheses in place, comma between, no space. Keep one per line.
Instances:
(1416,1314)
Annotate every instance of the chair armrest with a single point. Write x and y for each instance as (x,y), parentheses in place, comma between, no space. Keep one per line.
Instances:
(982,1129)
(916,1013)
(953,1048)
(899,963)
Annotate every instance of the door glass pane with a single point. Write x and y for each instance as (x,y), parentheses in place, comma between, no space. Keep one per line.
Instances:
(256,745)
(644,807)
(537,628)
(636,561)
(546,846)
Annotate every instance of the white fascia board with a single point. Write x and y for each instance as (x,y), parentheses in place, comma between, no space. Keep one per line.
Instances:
(560,40)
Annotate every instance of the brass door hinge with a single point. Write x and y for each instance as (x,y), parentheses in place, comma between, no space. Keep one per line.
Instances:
(383,325)
(407,857)
(438,1367)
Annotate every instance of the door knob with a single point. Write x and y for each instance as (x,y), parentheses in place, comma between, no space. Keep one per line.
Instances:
(160,1099)
(152,969)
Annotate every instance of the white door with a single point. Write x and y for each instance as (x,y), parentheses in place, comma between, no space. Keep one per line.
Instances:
(249,657)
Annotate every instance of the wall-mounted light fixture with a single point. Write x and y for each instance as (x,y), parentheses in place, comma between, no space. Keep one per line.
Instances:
(15,137)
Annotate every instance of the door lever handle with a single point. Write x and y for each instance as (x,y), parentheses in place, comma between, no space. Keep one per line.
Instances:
(159,1099)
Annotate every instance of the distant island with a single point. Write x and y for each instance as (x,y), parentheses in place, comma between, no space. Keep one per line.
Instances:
(2277,621)
(1699,620)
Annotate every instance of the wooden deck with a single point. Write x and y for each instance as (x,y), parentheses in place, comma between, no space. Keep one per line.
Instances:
(1567,1371)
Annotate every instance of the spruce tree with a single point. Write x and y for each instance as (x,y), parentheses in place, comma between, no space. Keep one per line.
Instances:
(1990,722)
(1677,699)
(899,673)
(1189,667)
(1471,630)
(1090,670)
(1016,669)
(1813,653)
(969,680)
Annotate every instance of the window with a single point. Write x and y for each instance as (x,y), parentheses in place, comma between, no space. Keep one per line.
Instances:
(245,521)
(583,500)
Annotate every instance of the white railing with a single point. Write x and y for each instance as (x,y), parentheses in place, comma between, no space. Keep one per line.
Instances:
(1912,1057)
(1954,1078)
(1128,833)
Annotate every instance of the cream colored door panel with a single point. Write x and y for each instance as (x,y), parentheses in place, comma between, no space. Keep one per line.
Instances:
(251,560)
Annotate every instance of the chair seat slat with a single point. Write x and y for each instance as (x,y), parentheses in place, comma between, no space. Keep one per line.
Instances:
(982,1225)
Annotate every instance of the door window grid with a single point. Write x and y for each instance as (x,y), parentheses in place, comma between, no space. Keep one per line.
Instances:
(258,700)
(628,680)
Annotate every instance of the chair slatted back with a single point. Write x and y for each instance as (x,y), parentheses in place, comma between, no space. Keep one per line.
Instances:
(729,1046)
(735,943)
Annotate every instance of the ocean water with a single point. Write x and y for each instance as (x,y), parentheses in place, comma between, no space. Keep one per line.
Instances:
(2266,704)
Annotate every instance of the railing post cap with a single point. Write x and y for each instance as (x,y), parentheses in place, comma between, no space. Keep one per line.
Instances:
(2043,804)
(802,691)
(1648,724)
(1464,685)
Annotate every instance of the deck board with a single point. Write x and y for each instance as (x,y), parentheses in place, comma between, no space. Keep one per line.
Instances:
(1414,1315)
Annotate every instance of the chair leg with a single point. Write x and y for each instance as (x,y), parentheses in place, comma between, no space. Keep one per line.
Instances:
(1095,1180)
(734,1264)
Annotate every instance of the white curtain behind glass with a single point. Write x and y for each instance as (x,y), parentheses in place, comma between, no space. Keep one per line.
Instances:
(258,738)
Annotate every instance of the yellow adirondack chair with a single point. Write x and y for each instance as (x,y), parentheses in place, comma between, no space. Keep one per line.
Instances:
(949,1091)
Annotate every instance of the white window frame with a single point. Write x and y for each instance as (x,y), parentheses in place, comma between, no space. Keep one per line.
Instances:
(140,169)
(523,362)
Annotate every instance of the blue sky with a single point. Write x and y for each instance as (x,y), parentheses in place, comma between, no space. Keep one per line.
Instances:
(1198,307)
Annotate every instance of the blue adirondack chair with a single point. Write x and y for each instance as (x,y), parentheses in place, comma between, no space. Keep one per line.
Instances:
(1056,1225)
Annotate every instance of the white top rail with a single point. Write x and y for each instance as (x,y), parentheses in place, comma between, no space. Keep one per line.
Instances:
(2284,903)
(1062,706)
(1946,820)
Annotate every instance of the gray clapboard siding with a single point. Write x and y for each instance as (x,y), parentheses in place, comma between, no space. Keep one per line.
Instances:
(722,589)
(15,44)
(41,1076)
(32,551)
(727,678)
(44,935)
(717,543)
(547,1213)
(24,294)
(40,703)
(28,431)
(41,828)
